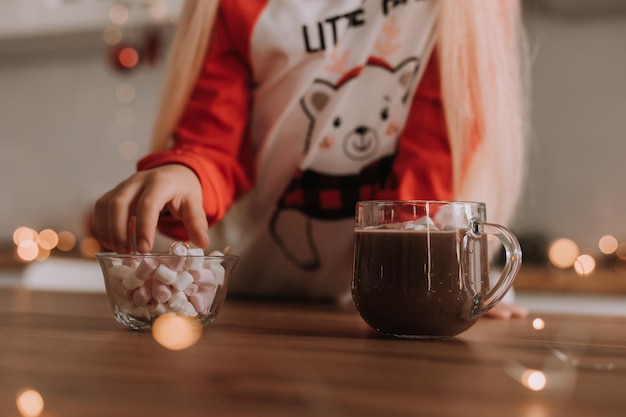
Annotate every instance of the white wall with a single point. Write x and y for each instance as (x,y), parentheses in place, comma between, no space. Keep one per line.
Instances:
(577,175)
(58,136)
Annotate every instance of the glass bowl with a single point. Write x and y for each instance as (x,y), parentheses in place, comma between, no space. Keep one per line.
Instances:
(142,287)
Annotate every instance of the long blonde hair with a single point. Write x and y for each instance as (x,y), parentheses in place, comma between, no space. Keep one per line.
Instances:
(482,77)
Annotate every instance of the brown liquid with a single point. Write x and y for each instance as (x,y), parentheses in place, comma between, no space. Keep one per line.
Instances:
(401,288)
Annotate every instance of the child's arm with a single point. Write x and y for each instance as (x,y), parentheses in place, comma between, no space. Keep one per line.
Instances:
(192,184)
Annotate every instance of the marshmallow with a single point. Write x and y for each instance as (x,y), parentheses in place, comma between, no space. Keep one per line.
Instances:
(196,258)
(164,274)
(161,293)
(120,272)
(191,289)
(158,309)
(131,282)
(204,276)
(120,293)
(423,223)
(203,299)
(218,271)
(132,263)
(142,296)
(146,268)
(180,304)
(182,281)
(179,249)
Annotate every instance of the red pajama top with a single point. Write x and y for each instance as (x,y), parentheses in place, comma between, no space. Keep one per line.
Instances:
(301,110)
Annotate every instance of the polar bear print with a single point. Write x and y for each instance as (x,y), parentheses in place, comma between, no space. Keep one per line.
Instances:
(348,151)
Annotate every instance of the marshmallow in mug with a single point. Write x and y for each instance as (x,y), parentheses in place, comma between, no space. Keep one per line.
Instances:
(423,223)
(185,285)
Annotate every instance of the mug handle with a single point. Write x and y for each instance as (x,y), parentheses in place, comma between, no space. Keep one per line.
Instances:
(513,262)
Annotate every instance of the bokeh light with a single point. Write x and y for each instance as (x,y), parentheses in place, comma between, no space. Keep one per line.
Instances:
(125,92)
(67,241)
(563,253)
(128,57)
(176,332)
(27,251)
(24,234)
(534,380)
(128,150)
(29,403)
(42,254)
(112,35)
(608,244)
(585,264)
(621,250)
(158,10)
(539,324)
(89,246)
(119,14)
(48,239)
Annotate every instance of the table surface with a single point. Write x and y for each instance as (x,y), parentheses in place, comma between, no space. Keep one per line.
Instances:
(304,359)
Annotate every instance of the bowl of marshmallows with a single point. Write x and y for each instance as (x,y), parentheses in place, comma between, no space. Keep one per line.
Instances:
(185,281)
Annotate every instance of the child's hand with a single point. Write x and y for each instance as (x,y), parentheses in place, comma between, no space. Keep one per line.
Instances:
(144,195)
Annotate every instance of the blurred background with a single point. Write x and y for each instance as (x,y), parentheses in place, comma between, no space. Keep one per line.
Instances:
(80,82)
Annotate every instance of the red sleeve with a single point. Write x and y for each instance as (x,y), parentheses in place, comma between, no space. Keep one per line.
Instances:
(423,165)
(211,134)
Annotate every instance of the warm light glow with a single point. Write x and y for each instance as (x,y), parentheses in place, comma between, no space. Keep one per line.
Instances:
(112,35)
(621,250)
(119,14)
(128,57)
(29,403)
(128,150)
(585,264)
(125,92)
(539,324)
(176,332)
(67,241)
(24,234)
(27,251)
(607,244)
(563,253)
(158,10)
(42,254)
(89,246)
(534,380)
(48,239)
(126,118)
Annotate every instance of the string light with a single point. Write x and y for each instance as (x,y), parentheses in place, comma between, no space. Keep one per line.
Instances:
(176,332)
(29,403)
(534,380)
(119,14)
(563,253)
(585,264)
(125,92)
(112,35)
(608,244)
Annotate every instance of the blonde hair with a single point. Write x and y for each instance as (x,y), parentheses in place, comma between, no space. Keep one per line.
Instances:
(482,85)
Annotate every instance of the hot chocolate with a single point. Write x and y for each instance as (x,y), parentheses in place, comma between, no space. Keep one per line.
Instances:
(416,283)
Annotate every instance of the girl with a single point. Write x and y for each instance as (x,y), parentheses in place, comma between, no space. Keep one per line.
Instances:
(279,115)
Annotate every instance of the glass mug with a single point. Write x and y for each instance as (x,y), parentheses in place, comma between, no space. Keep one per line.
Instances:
(421,268)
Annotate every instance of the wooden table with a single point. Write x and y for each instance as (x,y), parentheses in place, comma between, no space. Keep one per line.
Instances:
(281,359)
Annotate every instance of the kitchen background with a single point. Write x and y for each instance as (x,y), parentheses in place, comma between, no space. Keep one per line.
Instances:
(77,105)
